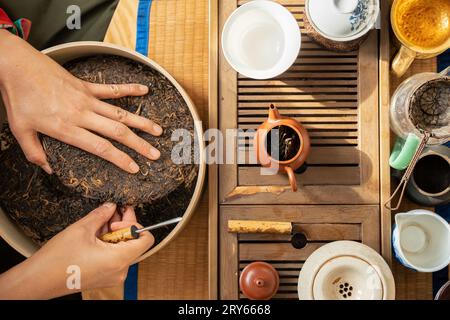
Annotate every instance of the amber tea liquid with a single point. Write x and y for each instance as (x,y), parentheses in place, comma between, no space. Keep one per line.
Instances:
(424,23)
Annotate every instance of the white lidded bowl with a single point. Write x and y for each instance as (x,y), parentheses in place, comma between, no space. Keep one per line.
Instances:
(342,20)
(261,39)
(63,53)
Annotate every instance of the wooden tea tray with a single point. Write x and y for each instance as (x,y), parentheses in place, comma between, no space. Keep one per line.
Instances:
(339,98)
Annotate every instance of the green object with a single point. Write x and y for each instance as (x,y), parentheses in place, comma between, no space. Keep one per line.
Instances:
(404,151)
(49,17)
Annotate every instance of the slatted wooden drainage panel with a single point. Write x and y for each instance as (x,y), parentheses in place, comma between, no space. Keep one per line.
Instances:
(334,95)
(320,224)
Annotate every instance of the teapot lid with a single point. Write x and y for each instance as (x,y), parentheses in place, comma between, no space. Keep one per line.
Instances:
(342,20)
(259,281)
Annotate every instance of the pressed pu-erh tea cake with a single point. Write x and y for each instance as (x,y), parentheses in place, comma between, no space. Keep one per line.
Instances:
(99,179)
(43,205)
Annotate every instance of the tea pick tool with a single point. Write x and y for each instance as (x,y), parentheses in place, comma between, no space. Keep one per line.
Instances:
(298,239)
(133,232)
(409,170)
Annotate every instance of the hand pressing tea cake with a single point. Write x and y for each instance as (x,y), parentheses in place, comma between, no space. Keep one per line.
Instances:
(95,178)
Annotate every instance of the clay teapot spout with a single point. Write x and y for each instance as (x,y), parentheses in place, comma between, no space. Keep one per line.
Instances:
(273,113)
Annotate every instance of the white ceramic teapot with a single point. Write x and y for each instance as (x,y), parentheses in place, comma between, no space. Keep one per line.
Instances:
(421,240)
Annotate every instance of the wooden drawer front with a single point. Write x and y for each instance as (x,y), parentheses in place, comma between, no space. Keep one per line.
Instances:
(321,224)
(334,95)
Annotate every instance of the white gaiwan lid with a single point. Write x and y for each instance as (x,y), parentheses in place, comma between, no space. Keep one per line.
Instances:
(342,20)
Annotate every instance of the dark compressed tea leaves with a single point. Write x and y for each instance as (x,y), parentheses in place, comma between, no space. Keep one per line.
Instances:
(288,143)
(95,178)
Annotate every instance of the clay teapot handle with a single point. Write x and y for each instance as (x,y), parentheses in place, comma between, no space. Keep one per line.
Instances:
(292,180)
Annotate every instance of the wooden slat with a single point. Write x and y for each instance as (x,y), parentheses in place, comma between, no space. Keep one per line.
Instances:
(305,119)
(300,112)
(275,251)
(277,265)
(297,97)
(286,296)
(285,280)
(250,176)
(321,155)
(313,232)
(324,53)
(293,90)
(292,82)
(248,135)
(295,74)
(311,126)
(300,104)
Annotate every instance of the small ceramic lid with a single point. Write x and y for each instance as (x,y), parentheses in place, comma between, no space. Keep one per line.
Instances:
(342,20)
(259,281)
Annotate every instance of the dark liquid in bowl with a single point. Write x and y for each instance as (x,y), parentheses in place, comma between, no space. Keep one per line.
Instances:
(432,174)
(287,146)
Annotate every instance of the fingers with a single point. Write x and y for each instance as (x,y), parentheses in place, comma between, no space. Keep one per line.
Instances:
(127,118)
(97,218)
(145,240)
(32,148)
(113,91)
(128,219)
(121,133)
(136,247)
(87,141)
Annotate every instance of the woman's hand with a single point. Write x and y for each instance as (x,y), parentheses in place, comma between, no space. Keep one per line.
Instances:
(41,96)
(77,252)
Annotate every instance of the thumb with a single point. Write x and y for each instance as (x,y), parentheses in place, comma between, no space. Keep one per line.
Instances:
(100,216)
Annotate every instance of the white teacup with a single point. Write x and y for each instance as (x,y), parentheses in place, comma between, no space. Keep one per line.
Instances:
(261,39)
(421,240)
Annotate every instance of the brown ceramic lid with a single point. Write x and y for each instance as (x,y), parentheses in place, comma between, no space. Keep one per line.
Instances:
(259,281)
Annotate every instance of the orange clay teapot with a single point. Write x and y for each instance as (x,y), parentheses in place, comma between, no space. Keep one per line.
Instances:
(282,144)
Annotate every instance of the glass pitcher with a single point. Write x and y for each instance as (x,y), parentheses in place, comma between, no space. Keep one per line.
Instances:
(402,123)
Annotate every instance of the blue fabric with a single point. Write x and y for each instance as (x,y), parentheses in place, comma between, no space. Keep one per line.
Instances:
(130,290)
(143,26)
(441,277)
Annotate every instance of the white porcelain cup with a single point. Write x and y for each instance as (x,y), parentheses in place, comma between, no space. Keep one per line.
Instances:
(421,240)
(261,39)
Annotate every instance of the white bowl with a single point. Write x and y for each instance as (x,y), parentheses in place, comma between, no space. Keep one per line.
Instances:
(261,39)
(342,262)
(342,20)
(347,278)
(15,237)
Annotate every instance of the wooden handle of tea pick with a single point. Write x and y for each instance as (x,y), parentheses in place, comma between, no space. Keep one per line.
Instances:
(124,234)
(252,226)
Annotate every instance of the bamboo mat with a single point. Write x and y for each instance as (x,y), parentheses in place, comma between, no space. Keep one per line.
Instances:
(179,43)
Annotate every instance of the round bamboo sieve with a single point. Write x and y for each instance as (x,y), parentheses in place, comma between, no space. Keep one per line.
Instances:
(12,234)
